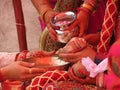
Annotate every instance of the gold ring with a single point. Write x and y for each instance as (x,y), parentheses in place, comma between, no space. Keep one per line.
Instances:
(30,71)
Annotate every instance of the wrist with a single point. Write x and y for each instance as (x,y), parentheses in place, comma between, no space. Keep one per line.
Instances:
(93,3)
(21,56)
(43,13)
(88,7)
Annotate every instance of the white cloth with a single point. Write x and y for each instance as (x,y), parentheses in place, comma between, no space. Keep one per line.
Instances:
(7,58)
(93,68)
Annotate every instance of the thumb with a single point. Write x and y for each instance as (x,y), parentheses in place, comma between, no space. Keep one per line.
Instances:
(75,23)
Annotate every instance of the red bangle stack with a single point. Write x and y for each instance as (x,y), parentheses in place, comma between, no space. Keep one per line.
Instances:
(84,10)
(22,55)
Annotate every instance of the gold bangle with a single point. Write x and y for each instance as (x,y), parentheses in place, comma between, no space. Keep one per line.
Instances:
(87,6)
(43,12)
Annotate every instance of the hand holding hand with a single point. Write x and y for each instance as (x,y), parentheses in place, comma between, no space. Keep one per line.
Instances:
(79,73)
(74,57)
(74,45)
(20,70)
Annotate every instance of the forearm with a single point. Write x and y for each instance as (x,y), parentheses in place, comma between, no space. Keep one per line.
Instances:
(42,6)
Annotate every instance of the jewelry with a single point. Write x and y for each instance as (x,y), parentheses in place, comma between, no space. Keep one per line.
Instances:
(30,71)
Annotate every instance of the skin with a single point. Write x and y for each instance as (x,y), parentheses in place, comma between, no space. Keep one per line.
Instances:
(20,71)
(88,51)
(81,21)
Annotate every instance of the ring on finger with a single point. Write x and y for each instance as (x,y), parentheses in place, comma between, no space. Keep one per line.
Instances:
(30,71)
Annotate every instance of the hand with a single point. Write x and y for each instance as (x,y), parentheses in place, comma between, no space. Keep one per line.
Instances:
(52,32)
(74,45)
(92,39)
(26,54)
(74,57)
(20,71)
(80,74)
(79,70)
(48,15)
(81,22)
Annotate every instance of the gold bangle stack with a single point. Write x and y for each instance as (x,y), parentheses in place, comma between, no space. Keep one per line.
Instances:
(88,6)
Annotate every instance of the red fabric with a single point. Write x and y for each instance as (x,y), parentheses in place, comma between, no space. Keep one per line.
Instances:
(96,19)
(112,79)
(65,85)
(117,32)
(50,76)
(12,85)
(108,25)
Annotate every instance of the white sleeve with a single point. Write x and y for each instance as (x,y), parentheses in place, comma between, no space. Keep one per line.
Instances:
(6,58)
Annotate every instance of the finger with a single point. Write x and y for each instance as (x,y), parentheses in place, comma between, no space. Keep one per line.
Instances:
(81,42)
(26,64)
(48,53)
(52,32)
(75,23)
(82,30)
(87,37)
(67,55)
(73,60)
(36,70)
(45,53)
(42,53)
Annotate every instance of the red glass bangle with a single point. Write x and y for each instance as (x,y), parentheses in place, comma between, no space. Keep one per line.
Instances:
(84,10)
(22,55)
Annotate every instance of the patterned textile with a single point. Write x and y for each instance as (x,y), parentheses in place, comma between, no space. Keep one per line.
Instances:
(67,5)
(117,32)
(68,85)
(108,25)
(50,76)
(58,80)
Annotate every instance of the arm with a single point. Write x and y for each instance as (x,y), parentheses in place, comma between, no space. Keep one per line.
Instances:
(84,11)
(13,66)
(43,7)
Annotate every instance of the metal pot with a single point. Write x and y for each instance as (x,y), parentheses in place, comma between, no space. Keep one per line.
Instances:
(61,23)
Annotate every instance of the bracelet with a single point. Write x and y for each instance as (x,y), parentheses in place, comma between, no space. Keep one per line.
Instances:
(43,12)
(16,57)
(1,76)
(87,6)
(22,55)
(84,10)
(93,3)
